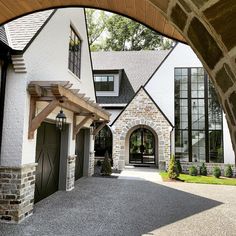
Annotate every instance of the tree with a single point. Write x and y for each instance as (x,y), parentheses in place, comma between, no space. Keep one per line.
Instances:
(106,165)
(117,33)
(172,169)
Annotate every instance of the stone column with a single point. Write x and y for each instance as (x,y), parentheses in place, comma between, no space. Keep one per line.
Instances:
(70,174)
(91,155)
(17,186)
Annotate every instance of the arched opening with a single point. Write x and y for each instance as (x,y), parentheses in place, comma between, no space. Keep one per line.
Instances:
(142,147)
(103,142)
(189,22)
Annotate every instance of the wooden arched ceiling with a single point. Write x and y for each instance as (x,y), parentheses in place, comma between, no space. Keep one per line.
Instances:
(149,12)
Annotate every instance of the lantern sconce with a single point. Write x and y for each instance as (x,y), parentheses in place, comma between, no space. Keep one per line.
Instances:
(60,120)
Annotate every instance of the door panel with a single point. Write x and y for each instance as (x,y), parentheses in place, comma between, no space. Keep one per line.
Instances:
(48,158)
(142,147)
(79,151)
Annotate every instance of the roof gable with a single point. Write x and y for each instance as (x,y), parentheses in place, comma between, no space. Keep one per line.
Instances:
(136,94)
(22,31)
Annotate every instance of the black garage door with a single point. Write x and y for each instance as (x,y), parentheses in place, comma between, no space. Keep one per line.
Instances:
(48,159)
(79,151)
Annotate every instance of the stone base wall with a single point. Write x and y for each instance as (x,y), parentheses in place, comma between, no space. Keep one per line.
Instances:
(186,165)
(17,186)
(70,176)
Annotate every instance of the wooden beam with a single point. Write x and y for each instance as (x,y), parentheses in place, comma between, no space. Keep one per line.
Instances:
(95,132)
(31,116)
(37,120)
(76,100)
(80,125)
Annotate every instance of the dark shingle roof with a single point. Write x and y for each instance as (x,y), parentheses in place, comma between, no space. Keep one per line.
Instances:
(3,36)
(138,65)
(22,30)
(125,94)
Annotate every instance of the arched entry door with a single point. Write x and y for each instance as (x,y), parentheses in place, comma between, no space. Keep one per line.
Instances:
(142,147)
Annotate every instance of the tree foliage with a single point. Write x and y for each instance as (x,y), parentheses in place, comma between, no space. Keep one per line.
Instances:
(172,169)
(117,33)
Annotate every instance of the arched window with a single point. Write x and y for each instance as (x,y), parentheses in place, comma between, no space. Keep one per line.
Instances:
(103,142)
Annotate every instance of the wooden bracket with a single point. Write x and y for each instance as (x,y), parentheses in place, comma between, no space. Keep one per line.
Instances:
(77,127)
(35,121)
(95,132)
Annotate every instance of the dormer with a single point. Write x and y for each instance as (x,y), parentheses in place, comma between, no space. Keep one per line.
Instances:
(107,82)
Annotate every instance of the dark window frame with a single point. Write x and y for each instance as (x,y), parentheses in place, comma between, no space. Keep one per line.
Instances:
(190,129)
(74,58)
(104,86)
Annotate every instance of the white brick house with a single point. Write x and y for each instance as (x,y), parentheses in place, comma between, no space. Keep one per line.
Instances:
(50,70)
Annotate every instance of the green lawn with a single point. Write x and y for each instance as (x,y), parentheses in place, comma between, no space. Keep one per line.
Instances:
(201,179)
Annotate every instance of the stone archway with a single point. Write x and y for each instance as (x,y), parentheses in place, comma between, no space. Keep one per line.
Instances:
(207,26)
(156,143)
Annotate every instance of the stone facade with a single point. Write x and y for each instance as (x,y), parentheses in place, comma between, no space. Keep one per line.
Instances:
(91,163)
(186,165)
(141,111)
(70,174)
(17,186)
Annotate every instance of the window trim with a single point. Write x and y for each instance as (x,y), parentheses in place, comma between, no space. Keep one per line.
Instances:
(78,75)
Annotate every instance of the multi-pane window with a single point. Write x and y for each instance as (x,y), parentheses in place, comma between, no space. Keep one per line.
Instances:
(74,53)
(104,82)
(198,117)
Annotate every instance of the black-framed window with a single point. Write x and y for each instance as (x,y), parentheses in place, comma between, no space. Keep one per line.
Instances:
(104,82)
(74,52)
(198,117)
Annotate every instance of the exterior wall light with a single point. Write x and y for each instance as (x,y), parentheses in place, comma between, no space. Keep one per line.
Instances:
(60,120)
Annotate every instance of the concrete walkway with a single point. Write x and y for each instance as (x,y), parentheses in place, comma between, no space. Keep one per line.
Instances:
(132,207)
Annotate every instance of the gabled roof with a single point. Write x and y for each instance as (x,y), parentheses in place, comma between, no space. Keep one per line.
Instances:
(142,88)
(138,65)
(22,31)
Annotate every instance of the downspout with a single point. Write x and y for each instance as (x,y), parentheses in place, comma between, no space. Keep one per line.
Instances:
(6,61)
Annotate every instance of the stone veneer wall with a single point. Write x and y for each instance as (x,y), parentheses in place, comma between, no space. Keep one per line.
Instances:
(185,166)
(70,175)
(17,186)
(91,163)
(140,111)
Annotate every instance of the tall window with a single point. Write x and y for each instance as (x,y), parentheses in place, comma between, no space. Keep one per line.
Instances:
(104,82)
(74,52)
(198,117)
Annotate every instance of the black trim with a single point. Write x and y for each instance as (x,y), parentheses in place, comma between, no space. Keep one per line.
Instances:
(190,151)
(206,89)
(168,54)
(150,99)
(98,8)
(91,62)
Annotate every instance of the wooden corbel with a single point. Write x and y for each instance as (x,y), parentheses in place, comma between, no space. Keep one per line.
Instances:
(77,127)
(95,132)
(35,121)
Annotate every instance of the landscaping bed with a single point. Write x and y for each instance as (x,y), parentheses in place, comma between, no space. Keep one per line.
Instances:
(200,179)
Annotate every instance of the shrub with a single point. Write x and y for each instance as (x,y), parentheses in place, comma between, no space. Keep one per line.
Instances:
(203,169)
(106,165)
(192,171)
(228,171)
(172,169)
(216,172)
(99,163)
(178,166)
